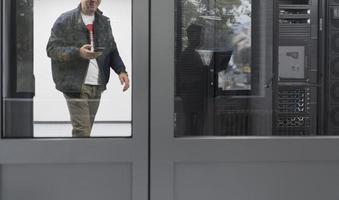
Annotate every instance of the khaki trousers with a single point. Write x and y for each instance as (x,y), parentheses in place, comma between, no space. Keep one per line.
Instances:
(83,108)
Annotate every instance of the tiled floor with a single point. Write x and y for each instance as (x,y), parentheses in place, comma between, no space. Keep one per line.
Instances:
(99,130)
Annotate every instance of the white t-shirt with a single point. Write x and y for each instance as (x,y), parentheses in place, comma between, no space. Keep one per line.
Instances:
(92,76)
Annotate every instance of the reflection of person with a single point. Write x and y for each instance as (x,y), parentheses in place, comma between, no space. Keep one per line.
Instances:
(82,50)
(191,85)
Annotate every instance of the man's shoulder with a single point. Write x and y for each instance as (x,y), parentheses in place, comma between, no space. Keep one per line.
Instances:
(103,17)
(68,14)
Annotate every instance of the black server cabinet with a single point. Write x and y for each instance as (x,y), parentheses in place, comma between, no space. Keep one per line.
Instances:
(296,71)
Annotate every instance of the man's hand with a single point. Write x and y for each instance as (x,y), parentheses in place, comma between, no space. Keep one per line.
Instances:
(124,80)
(86,53)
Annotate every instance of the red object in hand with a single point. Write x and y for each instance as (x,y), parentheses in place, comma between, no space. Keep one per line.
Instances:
(90,27)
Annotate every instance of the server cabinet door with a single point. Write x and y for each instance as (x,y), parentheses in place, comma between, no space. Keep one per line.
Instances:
(69,168)
(194,158)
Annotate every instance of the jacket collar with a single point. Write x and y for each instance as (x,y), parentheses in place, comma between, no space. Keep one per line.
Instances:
(97,12)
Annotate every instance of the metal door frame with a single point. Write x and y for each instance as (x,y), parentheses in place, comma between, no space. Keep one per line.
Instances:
(133,150)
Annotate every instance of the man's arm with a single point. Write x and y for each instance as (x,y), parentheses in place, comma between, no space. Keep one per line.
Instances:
(116,62)
(57,47)
(119,68)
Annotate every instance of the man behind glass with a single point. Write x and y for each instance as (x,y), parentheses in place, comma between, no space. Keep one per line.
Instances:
(82,50)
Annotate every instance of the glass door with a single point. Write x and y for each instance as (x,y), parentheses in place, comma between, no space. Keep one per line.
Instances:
(34,86)
(223,84)
(232,82)
(40,158)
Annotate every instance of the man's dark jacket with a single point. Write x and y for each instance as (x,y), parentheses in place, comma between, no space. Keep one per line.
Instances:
(69,34)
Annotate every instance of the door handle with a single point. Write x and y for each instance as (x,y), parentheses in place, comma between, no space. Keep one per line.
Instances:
(268,83)
(211,77)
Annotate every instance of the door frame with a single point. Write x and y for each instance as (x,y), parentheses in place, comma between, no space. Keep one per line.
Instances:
(132,150)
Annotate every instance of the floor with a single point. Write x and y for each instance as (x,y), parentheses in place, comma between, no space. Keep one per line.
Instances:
(99,129)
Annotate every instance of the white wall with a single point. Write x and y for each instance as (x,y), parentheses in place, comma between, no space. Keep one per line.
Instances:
(49,104)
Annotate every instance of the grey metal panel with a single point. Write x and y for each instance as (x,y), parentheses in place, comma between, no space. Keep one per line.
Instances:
(15,154)
(71,150)
(256,181)
(67,181)
(263,55)
(4,47)
(251,149)
(161,98)
(138,146)
(162,70)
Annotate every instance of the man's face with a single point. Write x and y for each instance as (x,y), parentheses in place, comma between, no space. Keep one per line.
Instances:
(90,6)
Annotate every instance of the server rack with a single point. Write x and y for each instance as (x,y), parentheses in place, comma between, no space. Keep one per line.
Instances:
(331,88)
(296,80)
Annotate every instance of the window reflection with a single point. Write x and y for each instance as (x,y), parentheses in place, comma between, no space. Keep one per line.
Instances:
(256,76)
(191,77)
(213,61)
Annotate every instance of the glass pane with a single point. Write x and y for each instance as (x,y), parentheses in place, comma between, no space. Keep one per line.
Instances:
(238,75)
(42,91)
(213,59)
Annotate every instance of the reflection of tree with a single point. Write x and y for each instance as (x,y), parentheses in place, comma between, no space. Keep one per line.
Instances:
(221,18)
(191,10)
(227,28)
